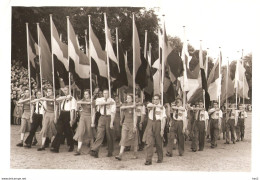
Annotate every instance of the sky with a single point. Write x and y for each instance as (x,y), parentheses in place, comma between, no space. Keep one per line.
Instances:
(227,24)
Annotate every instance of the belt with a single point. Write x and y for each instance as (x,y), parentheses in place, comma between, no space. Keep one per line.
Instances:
(155,120)
(178,119)
(105,115)
(64,111)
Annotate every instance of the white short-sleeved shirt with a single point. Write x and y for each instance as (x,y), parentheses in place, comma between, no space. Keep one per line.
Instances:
(159,113)
(69,104)
(140,110)
(109,108)
(216,114)
(38,108)
(243,114)
(182,114)
(203,115)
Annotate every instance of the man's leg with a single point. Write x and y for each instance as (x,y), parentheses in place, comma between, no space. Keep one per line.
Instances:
(110,137)
(158,141)
(37,119)
(180,137)
(201,136)
(100,134)
(60,129)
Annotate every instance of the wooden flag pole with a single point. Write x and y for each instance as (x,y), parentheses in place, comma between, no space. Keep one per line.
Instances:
(202,66)
(160,69)
(227,82)
(28,58)
(68,21)
(184,66)
(52,60)
(163,60)
(134,61)
(243,76)
(117,56)
(89,56)
(108,68)
(40,58)
(220,62)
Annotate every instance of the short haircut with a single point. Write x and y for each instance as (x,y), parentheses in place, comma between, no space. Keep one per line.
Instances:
(26,89)
(157,95)
(105,90)
(129,94)
(87,90)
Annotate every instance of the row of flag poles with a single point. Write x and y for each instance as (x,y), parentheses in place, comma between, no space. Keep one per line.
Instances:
(63,60)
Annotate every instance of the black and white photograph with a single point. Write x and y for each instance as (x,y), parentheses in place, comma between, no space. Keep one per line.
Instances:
(158,87)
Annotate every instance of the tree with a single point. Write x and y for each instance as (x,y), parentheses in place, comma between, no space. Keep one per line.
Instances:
(120,17)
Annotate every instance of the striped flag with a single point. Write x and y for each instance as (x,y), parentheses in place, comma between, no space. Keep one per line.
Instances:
(45,53)
(79,62)
(60,56)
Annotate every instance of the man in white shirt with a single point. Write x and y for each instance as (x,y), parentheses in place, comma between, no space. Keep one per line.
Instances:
(199,128)
(232,115)
(240,129)
(215,115)
(37,115)
(107,108)
(65,122)
(154,130)
(140,113)
(178,125)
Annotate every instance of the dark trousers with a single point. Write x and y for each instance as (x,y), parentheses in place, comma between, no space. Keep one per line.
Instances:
(37,122)
(214,131)
(153,136)
(102,130)
(240,130)
(141,132)
(198,132)
(63,126)
(230,127)
(178,127)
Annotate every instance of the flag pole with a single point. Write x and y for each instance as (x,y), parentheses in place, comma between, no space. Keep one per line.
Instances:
(145,55)
(28,58)
(117,56)
(108,68)
(236,81)
(89,56)
(243,76)
(61,37)
(220,62)
(40,58)
(159,33)
(68,31)
(202,66)
(52,60)
(163,59)
(134,60)
(227,75)
(184,66)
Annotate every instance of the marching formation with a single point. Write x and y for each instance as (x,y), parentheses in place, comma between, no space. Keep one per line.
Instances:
(134,125)
(110,115)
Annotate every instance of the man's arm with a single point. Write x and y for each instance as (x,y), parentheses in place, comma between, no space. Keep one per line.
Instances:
(21,101)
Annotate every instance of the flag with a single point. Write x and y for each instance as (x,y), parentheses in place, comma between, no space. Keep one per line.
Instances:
(149,88)
(60,57)
(174,65)
(213,81)
(78,61)
(240,80)
(33,56)
(227,89)
(136,47)
(203,79)
(122,79)
(46,61)
(113,61)
(98,59)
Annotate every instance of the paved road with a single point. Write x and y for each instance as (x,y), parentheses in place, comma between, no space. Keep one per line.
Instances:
(232,157)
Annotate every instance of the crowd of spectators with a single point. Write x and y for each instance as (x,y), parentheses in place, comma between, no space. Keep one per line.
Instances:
(19,82)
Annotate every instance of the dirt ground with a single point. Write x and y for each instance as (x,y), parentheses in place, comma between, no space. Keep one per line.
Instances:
(232,157)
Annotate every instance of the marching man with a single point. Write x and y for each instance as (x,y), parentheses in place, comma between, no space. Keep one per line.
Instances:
(178,125)
(199,127)
(107,108)
(154,130)
(242,115)
(215,123)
